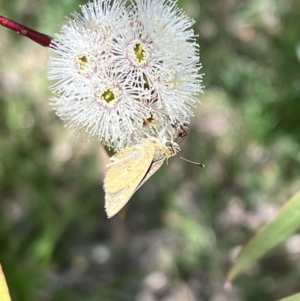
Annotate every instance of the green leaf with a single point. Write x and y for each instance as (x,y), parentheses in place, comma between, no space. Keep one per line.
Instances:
(280,228)
(295,297)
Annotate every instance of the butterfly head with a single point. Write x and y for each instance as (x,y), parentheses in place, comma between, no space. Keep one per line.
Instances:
(173,147)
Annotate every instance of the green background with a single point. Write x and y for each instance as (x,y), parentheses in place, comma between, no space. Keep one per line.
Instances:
(180,232)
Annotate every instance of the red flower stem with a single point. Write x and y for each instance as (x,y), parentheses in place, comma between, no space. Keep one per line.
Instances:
(36,36)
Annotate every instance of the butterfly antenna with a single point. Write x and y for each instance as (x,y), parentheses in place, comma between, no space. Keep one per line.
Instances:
(196,163)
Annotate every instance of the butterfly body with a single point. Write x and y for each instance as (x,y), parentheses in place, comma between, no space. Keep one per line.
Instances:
(130,168)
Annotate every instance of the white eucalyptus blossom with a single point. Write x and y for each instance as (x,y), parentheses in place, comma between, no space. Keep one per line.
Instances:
(171,56)
(123,73)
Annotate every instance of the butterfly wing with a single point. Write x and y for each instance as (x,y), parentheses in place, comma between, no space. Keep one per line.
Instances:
(154,166)
(125,174)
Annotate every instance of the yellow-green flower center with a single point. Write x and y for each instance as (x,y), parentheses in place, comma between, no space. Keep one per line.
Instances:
(82,61)
(139,52)
(108,96)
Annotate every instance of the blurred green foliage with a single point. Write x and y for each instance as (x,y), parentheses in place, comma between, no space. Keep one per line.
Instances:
(179,234)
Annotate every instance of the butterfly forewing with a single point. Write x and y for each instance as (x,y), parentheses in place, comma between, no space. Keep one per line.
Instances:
(124,174)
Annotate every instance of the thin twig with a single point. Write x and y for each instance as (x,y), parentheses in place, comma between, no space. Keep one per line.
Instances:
(36,36)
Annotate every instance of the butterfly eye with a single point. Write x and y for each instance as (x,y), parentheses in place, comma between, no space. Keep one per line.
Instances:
(168,144)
